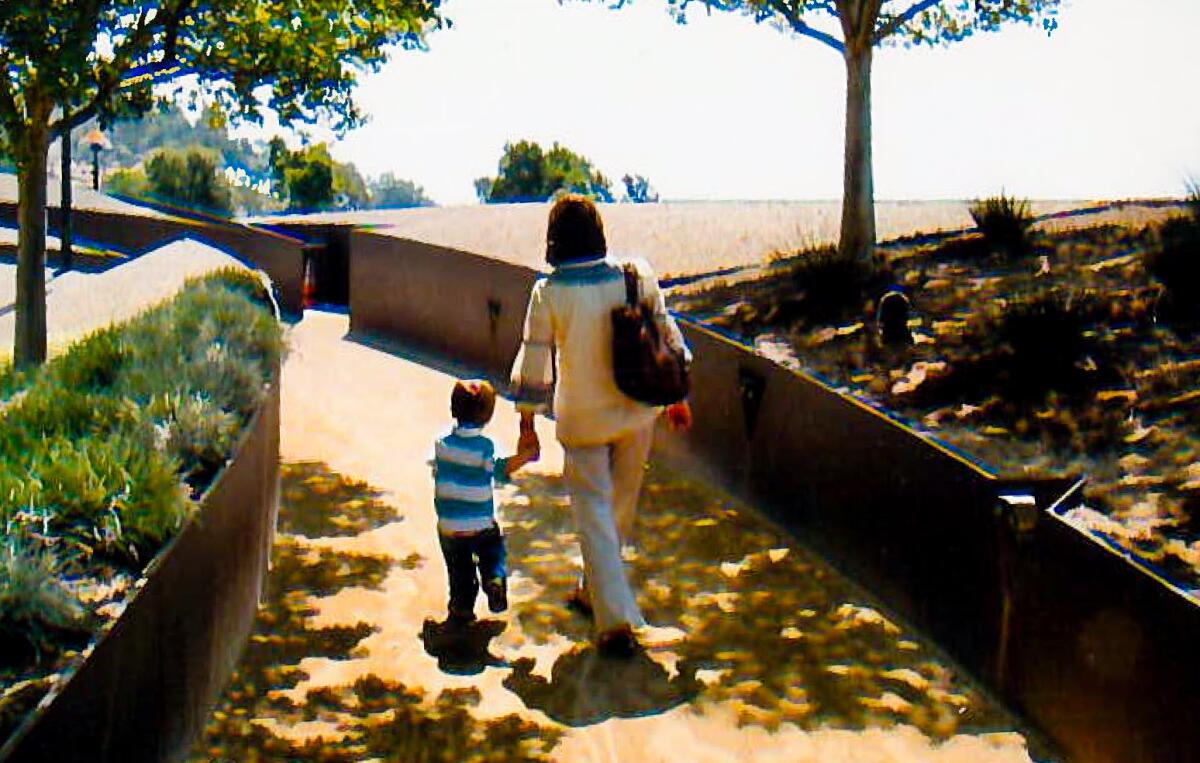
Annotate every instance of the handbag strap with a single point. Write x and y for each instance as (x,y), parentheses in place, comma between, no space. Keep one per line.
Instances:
(631,284)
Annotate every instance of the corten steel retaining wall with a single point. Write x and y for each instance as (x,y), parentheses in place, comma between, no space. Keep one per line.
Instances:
(1092,649)
(146,690)
(328,245)
(280,256)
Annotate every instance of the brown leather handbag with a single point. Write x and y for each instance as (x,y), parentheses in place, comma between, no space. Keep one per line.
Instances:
(645,365)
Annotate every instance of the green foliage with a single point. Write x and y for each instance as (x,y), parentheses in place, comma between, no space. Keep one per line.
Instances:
(906,22)
(128,181)
(33,600)
(528,173)
(389,192)
(188,178)
(638,190)
(133,140)
(310,179)
(1004,222)
(106,439)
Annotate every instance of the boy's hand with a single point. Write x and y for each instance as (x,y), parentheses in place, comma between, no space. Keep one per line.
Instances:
(679,416)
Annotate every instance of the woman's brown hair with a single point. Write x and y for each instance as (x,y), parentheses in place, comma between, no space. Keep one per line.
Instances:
(575,231)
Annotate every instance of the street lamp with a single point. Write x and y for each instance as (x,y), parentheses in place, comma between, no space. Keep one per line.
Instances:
(96,141)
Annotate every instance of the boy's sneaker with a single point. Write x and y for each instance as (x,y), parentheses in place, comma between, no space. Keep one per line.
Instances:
(459,619)
(497,594)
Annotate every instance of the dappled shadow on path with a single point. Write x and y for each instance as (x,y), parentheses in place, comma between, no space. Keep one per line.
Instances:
(772,630)
(255,720)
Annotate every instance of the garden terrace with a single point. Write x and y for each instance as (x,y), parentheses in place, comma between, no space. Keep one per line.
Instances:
(105,452)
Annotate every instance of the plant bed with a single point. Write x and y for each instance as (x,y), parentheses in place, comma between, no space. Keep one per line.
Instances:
(1070,352)
(107,454)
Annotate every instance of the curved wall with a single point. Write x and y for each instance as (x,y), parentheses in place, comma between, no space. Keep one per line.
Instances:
(280,256)
(147,688)
(1093,649)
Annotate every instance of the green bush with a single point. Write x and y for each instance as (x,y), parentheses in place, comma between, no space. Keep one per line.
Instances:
(33,600)
(106,440)
(1004,222)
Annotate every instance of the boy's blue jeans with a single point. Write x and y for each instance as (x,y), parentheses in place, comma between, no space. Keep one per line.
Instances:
(465,554)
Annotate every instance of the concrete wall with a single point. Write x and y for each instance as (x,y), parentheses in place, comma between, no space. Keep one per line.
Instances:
(147,688)
(278,255)
(1092,649)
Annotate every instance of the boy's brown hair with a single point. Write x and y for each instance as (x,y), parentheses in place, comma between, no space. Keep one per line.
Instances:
(472,402)
(575,230)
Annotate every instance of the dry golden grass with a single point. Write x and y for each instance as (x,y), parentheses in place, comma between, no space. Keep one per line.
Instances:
(678,238)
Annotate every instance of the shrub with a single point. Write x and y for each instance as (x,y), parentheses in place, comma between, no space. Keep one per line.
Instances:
(1174,261)
(1044,337)
(831,287)
(103,435)
(33,600)
(1004,222)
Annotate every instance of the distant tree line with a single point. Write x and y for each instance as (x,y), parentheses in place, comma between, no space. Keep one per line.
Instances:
(166,157)
(527,172)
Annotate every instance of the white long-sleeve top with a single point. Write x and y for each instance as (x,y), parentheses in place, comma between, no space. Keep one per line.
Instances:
(570,311)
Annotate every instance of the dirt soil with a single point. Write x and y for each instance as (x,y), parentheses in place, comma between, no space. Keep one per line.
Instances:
(1066,359)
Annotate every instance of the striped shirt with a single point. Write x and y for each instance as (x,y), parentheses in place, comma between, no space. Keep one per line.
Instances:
(464,469)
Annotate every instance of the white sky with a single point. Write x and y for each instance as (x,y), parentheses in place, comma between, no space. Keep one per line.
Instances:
(725,109)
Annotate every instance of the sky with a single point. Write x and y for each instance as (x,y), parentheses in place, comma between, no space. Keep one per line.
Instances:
(722,108)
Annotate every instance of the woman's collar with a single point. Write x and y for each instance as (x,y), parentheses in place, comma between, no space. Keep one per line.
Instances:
(585,263)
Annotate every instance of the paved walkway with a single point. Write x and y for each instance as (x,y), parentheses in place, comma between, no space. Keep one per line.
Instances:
(785,661)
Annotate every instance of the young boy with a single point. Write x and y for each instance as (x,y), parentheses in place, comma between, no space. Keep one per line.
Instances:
(464,470)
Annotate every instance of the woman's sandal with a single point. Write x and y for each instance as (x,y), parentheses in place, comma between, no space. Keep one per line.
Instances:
(618,642)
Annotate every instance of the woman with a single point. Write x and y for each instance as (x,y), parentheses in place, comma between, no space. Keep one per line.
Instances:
(605,435)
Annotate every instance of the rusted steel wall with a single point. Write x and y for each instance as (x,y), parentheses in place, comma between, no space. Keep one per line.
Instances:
(280,256)
(439,300)
(1092,649)
(146,690)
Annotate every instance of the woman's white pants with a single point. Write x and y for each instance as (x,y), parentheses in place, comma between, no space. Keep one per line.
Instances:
(603,482)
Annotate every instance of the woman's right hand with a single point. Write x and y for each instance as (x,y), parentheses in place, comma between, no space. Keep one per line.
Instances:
(679,416)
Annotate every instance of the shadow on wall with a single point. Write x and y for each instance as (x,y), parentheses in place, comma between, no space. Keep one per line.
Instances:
(374,718)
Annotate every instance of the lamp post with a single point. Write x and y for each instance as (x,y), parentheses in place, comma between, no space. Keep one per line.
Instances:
(64,206)
(96,141)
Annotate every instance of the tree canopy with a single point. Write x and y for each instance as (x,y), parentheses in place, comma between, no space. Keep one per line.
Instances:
(529,173)
(854,28)
(65,61)
(389,191)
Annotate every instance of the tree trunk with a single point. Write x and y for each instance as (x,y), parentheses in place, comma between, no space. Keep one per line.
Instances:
(64,205)
(30,345)
(858,198)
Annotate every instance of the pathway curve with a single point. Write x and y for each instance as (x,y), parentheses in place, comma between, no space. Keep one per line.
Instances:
(785,660)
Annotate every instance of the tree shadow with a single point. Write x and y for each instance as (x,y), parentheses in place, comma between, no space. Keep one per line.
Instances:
(772,629)
(373,718)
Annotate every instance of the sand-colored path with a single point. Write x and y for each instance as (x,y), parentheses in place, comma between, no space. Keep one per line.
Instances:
(784,660)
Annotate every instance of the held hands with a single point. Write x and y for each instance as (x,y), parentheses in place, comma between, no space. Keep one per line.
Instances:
(679,416)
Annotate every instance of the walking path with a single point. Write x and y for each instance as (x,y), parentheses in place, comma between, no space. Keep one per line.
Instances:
(784,660)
